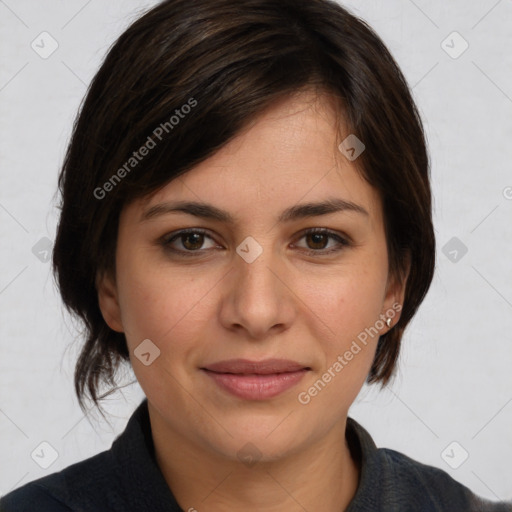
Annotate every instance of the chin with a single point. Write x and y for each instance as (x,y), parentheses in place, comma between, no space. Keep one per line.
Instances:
(267,439)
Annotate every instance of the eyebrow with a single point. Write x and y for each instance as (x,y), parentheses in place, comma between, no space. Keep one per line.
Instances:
(208,211)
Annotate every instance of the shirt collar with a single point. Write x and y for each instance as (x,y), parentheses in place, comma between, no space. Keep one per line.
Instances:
(144,484)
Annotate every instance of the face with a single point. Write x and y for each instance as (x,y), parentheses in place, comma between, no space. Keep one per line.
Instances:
(311,288)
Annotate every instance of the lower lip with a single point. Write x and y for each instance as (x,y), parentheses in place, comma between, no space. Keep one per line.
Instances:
(256,387)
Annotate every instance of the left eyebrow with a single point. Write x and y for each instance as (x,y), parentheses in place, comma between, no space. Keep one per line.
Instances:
(208,211)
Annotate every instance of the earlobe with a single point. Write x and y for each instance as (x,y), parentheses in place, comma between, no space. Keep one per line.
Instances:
(108,302)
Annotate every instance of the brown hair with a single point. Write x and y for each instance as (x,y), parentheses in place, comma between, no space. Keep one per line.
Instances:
(228,60)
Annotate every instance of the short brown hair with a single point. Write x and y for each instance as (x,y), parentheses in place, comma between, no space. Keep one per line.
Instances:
(233,58)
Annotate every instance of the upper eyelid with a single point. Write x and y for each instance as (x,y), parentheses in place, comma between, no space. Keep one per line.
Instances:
(325,231)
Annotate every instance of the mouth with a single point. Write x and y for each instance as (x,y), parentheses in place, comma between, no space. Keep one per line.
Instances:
(265,367)
(256,380)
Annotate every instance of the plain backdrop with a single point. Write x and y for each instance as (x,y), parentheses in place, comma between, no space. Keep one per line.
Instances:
(451,402)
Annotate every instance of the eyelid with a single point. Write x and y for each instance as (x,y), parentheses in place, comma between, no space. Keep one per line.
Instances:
(342,240)
(167,238)
(326,231)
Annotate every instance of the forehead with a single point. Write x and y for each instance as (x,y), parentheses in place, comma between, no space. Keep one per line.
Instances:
(288,154)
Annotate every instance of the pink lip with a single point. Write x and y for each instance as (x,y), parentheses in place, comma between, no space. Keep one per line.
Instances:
(256,380)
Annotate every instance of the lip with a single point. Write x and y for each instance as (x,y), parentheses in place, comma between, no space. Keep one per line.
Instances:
(264,367)
(256,380)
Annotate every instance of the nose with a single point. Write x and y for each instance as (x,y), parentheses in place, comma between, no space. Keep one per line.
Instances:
(258,297)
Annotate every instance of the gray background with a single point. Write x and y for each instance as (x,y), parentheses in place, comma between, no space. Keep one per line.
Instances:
(454,380)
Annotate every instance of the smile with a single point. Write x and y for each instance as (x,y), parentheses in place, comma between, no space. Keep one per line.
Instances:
(256,386)
(256,380)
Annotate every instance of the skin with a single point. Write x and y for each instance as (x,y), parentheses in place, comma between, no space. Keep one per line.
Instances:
(287,304)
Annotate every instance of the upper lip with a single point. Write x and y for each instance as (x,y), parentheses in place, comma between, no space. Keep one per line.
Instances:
(264,367)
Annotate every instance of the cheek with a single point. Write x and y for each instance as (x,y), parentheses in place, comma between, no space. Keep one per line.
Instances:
(168,306)
(153,306)
(350,305)
(170,309)
(349,300)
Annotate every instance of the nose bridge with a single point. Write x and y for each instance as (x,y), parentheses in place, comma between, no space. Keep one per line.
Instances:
(252,267)
(257,299)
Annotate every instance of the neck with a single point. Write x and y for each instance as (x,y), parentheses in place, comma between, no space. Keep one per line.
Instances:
(322,476)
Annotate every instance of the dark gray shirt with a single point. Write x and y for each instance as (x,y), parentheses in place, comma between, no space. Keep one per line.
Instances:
(126,478)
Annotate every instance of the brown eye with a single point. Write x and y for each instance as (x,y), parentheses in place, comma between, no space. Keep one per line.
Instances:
(192,241)
(187,242)
(318,239)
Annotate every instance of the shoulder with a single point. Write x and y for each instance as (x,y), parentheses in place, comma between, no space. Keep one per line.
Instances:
(391,480)
(405,470)
(32,496)
(123,478)
(425,484)
(83,482)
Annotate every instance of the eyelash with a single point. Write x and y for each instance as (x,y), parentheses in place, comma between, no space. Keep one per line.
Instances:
(169,239)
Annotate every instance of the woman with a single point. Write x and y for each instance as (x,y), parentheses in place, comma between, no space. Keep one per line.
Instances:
(237,224)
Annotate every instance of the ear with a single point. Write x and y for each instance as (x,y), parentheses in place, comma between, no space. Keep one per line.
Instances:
(108,301)
(395,290)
